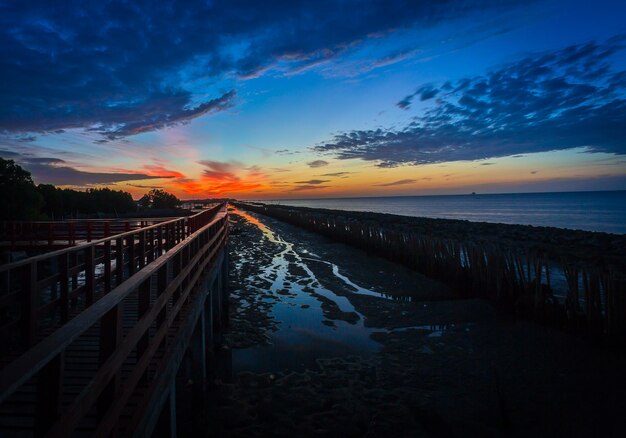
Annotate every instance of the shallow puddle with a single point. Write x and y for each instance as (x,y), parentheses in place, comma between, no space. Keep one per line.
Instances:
(312,321)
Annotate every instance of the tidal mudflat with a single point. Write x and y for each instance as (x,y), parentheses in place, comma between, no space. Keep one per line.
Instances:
(325,340)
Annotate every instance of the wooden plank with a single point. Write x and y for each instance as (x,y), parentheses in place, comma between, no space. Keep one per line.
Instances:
(49,392)
(110,337)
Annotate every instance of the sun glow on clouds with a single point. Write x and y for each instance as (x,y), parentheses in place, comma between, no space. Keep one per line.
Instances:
(241,101)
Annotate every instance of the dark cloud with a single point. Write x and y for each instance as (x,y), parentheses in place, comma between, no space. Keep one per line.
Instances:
(140,186)
(312,181)
(487,164)
(338,174)
(9,155)
(50,170)
(122,68)
(424,92)
(317,163)
(551,101)
(308,187)
(397,183)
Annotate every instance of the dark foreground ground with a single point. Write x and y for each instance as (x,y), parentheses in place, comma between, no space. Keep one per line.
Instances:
(325,340)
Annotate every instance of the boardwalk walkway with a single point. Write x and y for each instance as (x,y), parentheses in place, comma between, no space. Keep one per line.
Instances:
(93,335)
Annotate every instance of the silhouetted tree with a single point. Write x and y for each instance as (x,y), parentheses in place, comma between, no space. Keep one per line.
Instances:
(157,198)
(19,198)
(60,203)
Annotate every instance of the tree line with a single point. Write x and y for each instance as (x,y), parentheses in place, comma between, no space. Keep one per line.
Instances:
(21,199)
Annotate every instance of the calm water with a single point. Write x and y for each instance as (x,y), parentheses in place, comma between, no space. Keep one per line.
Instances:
(592,211)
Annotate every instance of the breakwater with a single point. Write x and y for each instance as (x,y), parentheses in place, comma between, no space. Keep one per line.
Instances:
(567,277)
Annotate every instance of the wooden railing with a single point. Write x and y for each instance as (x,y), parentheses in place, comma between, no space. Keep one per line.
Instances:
(15,234)
(42,292)
(128,330)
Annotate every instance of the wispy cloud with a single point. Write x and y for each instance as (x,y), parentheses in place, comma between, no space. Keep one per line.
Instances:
(337,174)
(397,183)
(317,163)
(312,181)
(308,187)
(556,100)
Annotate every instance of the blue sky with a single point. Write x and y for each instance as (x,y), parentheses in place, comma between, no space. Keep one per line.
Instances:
(383,97)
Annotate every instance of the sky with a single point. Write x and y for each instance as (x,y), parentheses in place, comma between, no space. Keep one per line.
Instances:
(313,99)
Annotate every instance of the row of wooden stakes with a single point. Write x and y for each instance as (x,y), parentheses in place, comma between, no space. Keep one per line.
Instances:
(553,289)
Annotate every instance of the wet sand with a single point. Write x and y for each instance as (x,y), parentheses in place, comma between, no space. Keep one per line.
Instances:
(325,340)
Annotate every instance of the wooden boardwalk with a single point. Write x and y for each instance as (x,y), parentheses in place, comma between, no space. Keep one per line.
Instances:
(94,335)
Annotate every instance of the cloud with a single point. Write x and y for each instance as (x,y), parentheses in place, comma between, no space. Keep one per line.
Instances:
(217,170)
(312,181)
(135,67)
(307,187)
(140,186)
(50,170)
(557,100)
(425,92)
(317,163)
(339,174)
(224,177)
(162,171)
(397,183)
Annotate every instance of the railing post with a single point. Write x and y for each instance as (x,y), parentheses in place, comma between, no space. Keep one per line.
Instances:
(110,337)
(73,264)
(107,266)
(160,241)
(50,234)
(119,261)
(130,242)
(89,275)
(72,233)
(169,237)
(29,303)
(142,249)
(150,245)
(49,395)
(64,280)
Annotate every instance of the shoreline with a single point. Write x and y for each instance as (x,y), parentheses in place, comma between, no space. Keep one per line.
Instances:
(569,278)
(593,246)
(264,201)
(588,211)
(439,367)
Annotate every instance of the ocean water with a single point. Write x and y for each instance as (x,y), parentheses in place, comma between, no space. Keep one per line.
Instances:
(591,211)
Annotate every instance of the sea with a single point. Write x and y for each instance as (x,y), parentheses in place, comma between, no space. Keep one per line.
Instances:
(590,211)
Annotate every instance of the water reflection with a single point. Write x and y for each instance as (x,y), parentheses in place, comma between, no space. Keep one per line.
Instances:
(313,321)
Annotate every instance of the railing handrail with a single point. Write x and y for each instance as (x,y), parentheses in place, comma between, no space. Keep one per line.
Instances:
(94,220)
(82,246)
(19,371)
